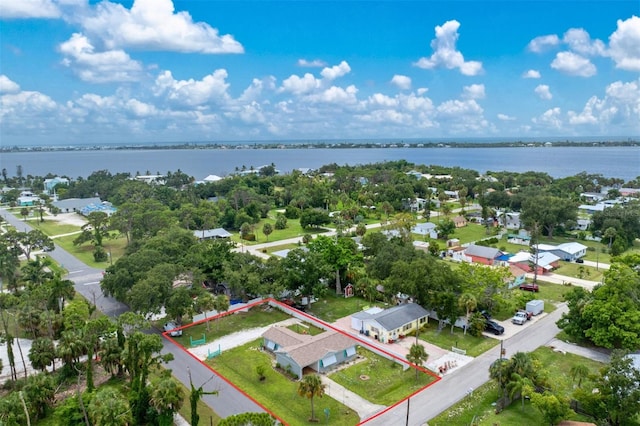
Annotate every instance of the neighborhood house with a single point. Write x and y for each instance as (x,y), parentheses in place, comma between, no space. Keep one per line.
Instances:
(391,324)
(297,352)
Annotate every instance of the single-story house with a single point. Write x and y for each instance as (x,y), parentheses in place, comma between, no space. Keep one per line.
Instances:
(582,224)
(512,220)
(524,260)
(460,221)
(298,352)
(212,178)
(151,179)
(71,205)
(426,229)
(28,198)
(209,234)
(522,239)
(566,251)
(518,276)
(591,209)
(482,254)
(103,206)
(391,324)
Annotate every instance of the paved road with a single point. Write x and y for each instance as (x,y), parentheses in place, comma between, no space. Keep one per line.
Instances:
(453,387)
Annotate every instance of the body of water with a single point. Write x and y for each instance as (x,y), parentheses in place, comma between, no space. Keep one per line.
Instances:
(615,161)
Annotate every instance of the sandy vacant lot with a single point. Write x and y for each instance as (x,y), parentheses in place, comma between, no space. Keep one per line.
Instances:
(68,218)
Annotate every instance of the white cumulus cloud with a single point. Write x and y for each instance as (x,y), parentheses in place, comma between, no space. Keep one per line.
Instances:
(7,85)
(331,73)
(445,53)
(154,25)
(549,119)
(24,9)
(316,63)
(211,89)
(531,74)
(579,41)
(474,91)
(98,67)
(505,117)
(300,85)
(624,44)
(401,82)
(573,64)
(541,43)
(542,90)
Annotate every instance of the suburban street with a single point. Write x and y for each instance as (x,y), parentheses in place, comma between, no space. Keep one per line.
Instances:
(427,404)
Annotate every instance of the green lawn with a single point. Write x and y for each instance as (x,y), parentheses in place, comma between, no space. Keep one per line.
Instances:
(444,339)
(53,228)
(577,270)
(306,328)
(380,380)
(84,252)
(469,233)
(257,316)
(479,406)
(333,307)
(277,392)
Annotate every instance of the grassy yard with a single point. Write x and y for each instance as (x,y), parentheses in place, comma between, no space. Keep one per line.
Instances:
(257,316)
(444,339)
(469,233)
(334,307)
(577,270)
(384,381)
(306,328)
(84,252)
(53,228)
(479,406)
(277,392)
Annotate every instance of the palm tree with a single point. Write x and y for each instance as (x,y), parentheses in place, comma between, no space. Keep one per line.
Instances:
(111,356)
(167,396)
(70,347)
(310,386)
(417,356)
(221,304)
(611,234)
(204,303)
(519,385)
(42,354)
(522,363)
(60,290)
(580,372)
(469,303)
(109,408)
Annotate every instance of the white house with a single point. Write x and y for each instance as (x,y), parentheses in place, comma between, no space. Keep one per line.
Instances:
(566,251)
(391,324)
(426,229)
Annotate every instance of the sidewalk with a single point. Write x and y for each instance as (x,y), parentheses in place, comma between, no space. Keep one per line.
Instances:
(364,408)
(600,355)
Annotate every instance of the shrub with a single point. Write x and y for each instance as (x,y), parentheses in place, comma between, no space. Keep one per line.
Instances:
(99,254)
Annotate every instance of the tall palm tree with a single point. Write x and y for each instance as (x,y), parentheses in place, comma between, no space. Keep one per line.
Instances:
(167,397)
(580,372)
(417,356)
(311,386)
(109,408)
(42,354)
(70,347)
(221,304)
(469,303)
(519,385)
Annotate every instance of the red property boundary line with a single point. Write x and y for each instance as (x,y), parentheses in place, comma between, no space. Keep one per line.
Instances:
(291,310)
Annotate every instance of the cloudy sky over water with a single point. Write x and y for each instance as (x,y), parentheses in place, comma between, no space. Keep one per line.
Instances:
(78,71)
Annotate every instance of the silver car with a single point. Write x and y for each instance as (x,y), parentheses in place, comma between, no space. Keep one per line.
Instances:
(171,328)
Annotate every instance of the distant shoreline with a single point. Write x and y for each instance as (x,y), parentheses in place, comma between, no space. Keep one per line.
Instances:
(325,145)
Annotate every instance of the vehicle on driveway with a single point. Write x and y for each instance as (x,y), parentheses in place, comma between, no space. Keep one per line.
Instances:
(171,327)
(579,260)
(493,327)
(521,317)
(530,287)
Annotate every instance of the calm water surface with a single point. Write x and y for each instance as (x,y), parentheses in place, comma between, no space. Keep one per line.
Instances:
(619,162)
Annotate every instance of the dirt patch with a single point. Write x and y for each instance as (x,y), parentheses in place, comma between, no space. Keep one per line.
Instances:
(68,219)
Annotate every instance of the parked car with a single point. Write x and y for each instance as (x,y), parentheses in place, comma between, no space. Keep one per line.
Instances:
(579,260)
(521,317)
(171,327)
(493,327)
(530,287)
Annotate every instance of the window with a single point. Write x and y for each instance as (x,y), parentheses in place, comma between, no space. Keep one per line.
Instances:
(271,345)
(330,360)
(406,327)
(423,320)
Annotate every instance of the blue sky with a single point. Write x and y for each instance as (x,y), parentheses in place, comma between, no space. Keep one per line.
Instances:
(146,71)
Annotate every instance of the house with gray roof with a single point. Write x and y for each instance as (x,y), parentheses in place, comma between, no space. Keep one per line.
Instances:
(484,255)
(297,352)
(566,251)
(210,234)
(71,205)
(390,325)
